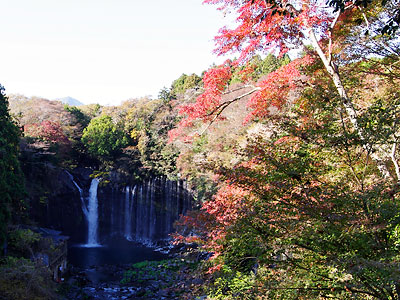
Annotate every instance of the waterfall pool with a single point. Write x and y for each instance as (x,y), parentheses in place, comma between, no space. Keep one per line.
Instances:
(113,219)
(117,251)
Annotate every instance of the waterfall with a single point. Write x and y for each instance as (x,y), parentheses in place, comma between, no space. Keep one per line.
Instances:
(149,213)
(128,212)
(93,215)
(152,212)
(138,212)
(168,207)
(90,211)
(83,204)
(144,213)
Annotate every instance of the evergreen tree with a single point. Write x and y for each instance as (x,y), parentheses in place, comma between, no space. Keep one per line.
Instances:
(11,176)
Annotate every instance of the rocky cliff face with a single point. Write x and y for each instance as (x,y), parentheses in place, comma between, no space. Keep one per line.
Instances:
(143,211)
(54,199)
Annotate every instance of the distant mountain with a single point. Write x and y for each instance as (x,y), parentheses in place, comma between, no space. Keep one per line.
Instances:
(70,101)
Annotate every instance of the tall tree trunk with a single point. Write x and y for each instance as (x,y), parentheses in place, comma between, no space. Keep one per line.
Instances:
(348,105)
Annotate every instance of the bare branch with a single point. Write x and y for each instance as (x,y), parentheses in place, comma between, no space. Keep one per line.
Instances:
(220,108)
(364,16)
(238,89)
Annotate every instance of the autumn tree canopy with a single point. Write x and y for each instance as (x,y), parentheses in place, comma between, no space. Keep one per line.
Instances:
(265,26)
(307,206)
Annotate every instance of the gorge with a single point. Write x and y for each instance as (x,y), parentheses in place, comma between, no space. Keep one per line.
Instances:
(111,222)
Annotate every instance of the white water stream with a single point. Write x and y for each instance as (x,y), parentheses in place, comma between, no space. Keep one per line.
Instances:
(145,212)
(93,215)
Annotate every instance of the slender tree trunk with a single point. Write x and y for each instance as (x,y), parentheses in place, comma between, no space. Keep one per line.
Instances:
(394,160)
(347,103)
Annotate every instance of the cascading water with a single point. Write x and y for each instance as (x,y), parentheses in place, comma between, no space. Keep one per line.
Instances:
(90,211)
(144,213)
(151,211)
(83,204)
(93,215)
(128,212)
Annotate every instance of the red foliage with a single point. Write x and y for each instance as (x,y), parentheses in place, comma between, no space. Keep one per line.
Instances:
(215,81)
(227,204)
(48,131)
(262,28)
(275,88)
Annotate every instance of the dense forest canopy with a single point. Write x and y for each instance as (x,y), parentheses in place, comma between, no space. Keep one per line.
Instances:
(309,195)
(292,162)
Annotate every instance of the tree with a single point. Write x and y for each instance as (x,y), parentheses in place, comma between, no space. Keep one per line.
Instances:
(303,207)
(103,138)
(183,83)
(148,123)
(47,131)
(81,118)
(36,110)
(11,177)
(265,26)
(391,21)
(258,67)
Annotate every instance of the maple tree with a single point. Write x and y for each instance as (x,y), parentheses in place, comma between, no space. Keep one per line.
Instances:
(265,26)
(48,131)
(302,207)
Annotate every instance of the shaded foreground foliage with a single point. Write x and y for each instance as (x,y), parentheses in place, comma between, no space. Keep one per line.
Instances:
(307,201)
(11,178)
(21,275)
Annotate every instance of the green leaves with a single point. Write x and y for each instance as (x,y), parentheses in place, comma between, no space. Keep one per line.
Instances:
(103,138)
(12,189)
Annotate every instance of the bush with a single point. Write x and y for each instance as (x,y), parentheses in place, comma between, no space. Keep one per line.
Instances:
(24,280)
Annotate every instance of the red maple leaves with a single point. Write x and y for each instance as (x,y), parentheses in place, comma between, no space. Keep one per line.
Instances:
(215,81)
(47,131)
(275,88)
(262,27)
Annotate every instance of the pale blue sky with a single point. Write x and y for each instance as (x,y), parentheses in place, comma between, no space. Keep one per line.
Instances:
(103,51)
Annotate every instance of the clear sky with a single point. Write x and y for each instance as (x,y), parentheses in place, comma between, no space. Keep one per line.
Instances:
(103,51)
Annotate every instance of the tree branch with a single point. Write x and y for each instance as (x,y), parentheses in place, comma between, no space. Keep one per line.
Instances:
(330,37)
(237,89)
(220,108)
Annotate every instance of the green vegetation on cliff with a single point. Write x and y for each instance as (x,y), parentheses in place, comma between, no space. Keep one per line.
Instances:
(103,139)
(11,178)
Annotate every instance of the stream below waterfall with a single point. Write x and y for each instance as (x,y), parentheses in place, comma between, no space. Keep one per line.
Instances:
(118,224)
(96,272)
(117,252)
(110,272)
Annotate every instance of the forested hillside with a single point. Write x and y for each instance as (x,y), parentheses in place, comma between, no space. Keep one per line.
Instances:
(306,205)
(292,161)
